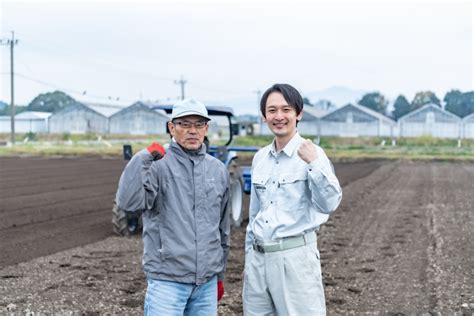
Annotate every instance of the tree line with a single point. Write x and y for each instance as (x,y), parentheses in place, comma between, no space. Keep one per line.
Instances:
(45,102)
(456,102)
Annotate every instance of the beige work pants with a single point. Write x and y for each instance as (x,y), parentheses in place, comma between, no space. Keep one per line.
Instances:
(286,282)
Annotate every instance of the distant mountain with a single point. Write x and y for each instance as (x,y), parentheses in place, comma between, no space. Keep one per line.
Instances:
(338,95)
(3,105)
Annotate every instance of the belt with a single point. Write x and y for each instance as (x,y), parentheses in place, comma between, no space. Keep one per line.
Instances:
(287,243)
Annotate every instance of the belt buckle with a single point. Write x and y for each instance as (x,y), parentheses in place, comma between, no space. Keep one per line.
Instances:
(258,247)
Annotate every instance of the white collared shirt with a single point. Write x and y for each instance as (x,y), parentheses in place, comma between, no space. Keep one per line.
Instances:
(289,197)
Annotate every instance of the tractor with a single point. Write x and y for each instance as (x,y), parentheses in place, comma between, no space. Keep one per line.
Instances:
(222,128)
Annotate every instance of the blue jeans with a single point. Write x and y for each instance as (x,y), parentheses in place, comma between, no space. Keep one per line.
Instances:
(177,299)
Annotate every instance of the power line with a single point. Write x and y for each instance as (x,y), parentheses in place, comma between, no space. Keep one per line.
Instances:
(55,86)
(80,59)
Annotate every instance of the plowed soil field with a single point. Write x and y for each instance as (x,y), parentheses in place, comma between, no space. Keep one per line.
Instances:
(400,243)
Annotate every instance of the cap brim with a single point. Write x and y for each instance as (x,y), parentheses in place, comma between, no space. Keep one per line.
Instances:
(189,113)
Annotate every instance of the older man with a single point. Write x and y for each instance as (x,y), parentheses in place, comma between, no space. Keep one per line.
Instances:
(183,196)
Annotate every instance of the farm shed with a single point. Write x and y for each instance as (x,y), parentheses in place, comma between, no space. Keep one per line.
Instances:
(353,120)
(310,124)
(430,120)
(81,118)
(138,119)
(25,122)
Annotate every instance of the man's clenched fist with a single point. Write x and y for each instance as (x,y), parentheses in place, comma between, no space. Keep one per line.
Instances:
(307,151)
(156,150)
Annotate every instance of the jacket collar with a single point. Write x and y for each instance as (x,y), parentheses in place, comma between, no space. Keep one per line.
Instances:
(177,149)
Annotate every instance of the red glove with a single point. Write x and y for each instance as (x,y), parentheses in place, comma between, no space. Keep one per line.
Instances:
(220,290)
(156,150)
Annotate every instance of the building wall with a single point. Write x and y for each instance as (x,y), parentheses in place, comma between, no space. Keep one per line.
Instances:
(350,121)
(77,120)
(34,126)
(24,126)
(442,130)
(138,122)
(310,128)
(430,122)
(5,125)
(468,126)
(350,129)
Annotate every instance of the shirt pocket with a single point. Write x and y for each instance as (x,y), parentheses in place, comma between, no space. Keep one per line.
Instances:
(260,182)
(293,189)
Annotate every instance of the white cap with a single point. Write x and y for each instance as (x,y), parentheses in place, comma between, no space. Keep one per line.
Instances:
(189,107)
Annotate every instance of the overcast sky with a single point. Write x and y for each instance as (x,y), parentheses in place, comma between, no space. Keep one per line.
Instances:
(229,49)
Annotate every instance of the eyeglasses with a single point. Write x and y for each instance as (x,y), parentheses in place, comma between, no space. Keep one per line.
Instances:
(188,124)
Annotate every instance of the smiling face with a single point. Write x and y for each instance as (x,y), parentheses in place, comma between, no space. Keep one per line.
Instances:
(189,131)
(281,117)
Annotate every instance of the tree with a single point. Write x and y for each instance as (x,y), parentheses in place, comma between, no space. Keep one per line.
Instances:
(306,101)
(50,102)
(424,97)
(458,103)
(7,109)
(3,105)
(325,105)
(401,107)
(375,101)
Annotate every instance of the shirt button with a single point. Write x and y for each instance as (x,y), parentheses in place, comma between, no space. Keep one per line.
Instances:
(273,182)
(277,162)
(266,222)
(310,169)
(271,202)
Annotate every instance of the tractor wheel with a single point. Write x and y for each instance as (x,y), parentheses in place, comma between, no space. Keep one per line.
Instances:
(125,224)
(235,195)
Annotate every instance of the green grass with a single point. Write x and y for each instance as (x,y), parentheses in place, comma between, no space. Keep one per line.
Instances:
(77,145)
(359,148)
(337,148)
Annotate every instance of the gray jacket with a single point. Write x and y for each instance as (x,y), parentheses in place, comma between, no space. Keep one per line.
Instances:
(186,223)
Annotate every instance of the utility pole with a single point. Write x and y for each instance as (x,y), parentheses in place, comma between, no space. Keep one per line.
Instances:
(259,114)
(12,43)
(182,82)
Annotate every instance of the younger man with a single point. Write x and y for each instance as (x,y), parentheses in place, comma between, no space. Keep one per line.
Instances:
(294,189)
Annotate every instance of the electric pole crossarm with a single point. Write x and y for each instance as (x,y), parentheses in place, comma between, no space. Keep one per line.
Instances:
(181,82)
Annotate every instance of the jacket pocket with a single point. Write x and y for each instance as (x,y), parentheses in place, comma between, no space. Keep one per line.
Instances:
(213,199)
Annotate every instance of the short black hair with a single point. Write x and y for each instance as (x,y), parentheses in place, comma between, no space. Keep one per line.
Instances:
(291,95)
